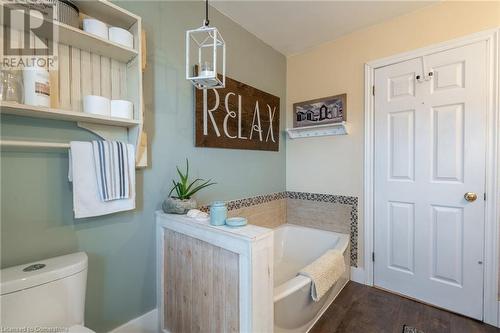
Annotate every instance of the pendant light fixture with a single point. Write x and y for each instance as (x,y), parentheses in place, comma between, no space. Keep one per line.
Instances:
(205,56)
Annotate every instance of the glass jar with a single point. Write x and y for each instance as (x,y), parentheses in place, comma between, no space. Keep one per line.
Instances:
(11,87)
(218,213)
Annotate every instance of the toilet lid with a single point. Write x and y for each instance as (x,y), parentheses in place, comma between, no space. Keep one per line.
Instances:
(79,329)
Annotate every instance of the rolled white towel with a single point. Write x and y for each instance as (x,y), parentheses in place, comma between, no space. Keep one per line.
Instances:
(197,214)
(324,272)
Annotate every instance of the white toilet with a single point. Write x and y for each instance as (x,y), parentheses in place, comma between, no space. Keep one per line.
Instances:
(46,293)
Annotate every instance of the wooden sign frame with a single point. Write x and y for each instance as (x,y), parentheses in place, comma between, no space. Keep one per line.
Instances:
(237,117)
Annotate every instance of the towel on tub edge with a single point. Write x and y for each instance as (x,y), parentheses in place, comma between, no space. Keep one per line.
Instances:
(324,272)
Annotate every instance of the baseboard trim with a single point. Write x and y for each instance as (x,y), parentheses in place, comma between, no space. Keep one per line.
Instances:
(146,323)
(358,275)
(498,317)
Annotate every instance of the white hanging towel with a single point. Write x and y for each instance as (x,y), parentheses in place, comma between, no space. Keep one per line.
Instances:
(324,272)
(112,172)
(87,200)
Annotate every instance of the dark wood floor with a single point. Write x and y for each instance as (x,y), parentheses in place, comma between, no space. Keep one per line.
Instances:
(363,309)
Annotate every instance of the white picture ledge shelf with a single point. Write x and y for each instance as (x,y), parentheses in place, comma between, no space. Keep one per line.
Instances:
(342,128)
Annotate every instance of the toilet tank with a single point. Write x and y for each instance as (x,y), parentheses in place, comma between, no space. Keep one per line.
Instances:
(45,293)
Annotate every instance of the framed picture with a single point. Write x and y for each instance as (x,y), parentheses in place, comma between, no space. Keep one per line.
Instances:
(320,111)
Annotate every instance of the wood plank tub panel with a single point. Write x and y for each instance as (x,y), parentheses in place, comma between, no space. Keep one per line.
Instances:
(202,286)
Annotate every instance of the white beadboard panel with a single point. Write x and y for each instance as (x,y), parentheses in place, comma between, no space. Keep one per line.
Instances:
(76,92)
(105,77)
(64,78)
(39,44)
(81,73)
(54,79)
(16,37)
(96,74)
(115,79)
(85,73)
(123,81)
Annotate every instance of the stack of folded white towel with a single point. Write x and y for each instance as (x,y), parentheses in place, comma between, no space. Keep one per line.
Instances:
(103,176)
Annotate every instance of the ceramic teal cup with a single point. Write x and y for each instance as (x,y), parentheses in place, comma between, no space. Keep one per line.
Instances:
(218,213)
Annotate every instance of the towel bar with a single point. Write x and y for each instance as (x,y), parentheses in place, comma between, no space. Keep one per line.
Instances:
(33,144)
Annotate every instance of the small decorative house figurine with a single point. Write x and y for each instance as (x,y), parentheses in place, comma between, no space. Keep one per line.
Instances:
(207,43)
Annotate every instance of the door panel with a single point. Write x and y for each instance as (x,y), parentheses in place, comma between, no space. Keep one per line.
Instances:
(448,76)
(429,151)
(447,244)
(401,236)
(402,142)
(402,86)
(448,142)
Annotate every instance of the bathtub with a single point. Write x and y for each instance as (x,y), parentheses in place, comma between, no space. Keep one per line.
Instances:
(294,248)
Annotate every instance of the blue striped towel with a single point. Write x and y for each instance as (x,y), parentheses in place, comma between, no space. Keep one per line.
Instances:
(112,169)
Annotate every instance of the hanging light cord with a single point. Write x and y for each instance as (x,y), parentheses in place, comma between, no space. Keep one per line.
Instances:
(207,22)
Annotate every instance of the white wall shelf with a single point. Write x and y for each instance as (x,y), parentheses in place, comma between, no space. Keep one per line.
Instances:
(342,128)
(90,65)
(66,115)
(108,12)
(82,40)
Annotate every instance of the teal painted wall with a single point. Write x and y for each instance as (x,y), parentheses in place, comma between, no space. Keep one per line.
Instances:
(36,200)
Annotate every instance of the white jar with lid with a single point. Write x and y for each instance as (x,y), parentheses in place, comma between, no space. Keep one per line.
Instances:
(36,86)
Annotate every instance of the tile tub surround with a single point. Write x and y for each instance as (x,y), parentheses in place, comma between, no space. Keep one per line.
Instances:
(267,210)
(269,214)
(328,212)
(322,211)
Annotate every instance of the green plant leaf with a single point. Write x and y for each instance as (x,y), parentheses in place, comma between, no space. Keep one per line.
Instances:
(181,176)
(183,189)
(173,188)
(194,181)
(199,187)
(176,188)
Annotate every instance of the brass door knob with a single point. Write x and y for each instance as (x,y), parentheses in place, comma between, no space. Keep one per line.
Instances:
(470,196)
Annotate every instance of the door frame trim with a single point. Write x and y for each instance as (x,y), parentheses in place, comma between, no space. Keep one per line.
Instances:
(491,304)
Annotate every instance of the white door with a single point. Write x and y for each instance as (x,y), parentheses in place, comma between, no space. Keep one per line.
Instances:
(430,147)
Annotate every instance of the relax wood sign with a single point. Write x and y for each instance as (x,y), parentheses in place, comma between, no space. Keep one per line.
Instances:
(237,116)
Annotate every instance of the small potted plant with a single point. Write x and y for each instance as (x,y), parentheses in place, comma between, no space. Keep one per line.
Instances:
(183,201)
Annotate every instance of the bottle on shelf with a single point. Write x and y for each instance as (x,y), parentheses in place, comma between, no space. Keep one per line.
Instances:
(36,86)
(11,87)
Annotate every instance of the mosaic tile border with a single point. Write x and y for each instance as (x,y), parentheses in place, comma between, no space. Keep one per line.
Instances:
(251,201)
(329,198)
(340,199)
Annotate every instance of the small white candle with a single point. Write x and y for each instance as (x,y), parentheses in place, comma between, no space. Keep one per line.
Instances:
(206,70)
(207,73)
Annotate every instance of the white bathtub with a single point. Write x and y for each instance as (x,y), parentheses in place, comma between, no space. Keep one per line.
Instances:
(294,248)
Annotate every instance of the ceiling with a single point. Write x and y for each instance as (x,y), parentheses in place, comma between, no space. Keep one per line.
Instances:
(292,27)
